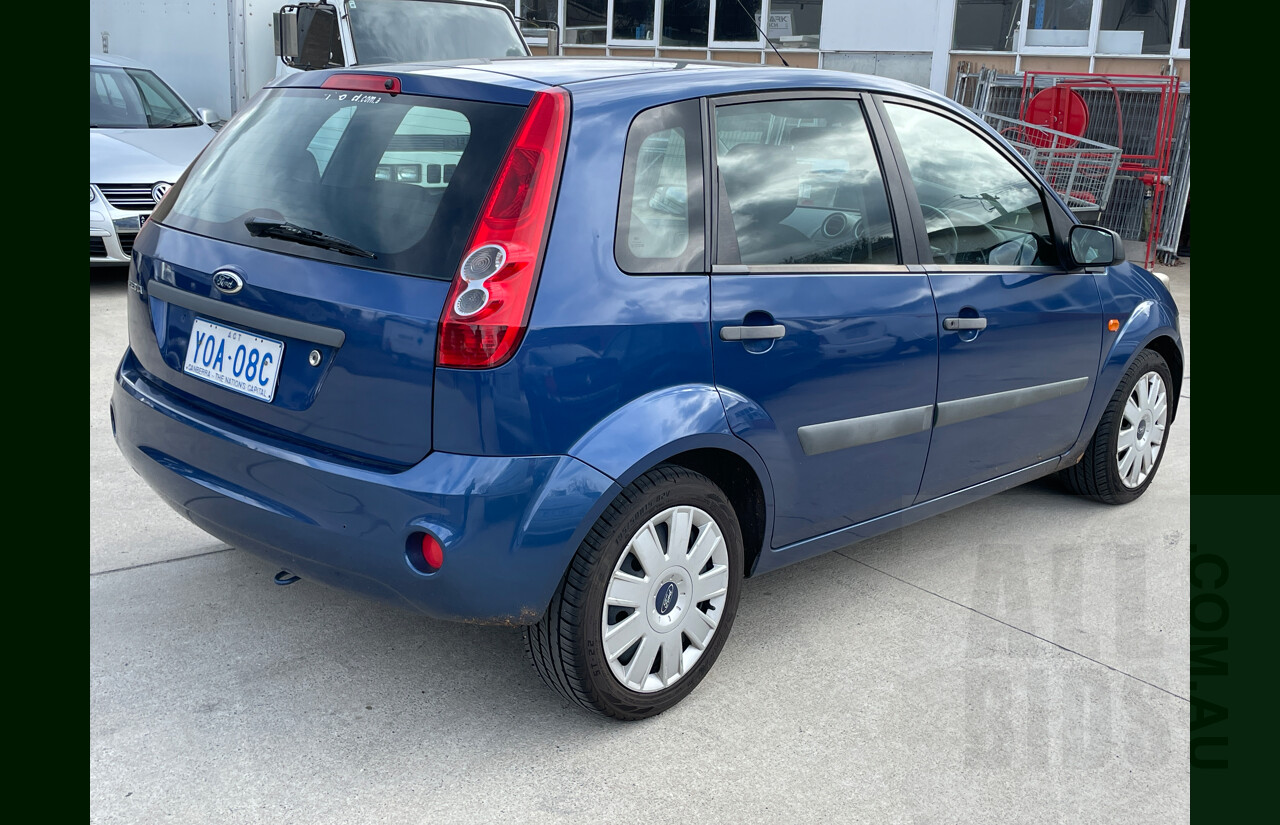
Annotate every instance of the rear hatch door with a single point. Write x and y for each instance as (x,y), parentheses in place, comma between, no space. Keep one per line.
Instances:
(292,281)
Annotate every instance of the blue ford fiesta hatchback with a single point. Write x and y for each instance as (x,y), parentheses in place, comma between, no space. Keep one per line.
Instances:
(580,344)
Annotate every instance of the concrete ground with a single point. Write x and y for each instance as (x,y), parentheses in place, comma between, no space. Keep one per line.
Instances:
(1022,659)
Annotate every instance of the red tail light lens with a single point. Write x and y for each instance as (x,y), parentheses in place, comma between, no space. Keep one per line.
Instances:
(485,315)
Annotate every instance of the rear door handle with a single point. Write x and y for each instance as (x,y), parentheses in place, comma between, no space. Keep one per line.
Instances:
(964,323)
(752,333)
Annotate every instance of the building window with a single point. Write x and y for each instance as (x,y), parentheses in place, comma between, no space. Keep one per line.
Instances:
(986,25)
(736,21)
(697,24)
(584,21)
(1124,27)
(684,22)
(794,24)
(633,19)
(1136,26)
(1059,22)
(537,10)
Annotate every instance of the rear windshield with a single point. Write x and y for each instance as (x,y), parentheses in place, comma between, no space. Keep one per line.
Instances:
(401,178)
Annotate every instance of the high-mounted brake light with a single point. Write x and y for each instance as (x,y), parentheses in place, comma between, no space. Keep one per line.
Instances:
(485,315)
(363,83)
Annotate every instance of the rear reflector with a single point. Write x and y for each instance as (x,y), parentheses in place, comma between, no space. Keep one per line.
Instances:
(485,315)
(363,83)
(432,552)
(425,553)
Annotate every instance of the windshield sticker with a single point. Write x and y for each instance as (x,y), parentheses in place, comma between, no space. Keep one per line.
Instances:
(357,97)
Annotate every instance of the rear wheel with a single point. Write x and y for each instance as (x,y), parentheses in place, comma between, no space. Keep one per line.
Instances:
(648,600)
(1128,445)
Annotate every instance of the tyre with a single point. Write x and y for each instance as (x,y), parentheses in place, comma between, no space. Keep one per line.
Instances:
(1127,447)
(647,602)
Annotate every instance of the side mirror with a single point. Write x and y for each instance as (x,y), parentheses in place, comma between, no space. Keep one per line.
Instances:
(307,36)
(1095,246)
(208,116)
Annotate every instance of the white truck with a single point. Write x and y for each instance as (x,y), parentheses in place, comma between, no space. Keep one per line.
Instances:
(219,53)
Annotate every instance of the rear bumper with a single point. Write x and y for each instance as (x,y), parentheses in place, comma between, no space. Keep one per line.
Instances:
(509,525)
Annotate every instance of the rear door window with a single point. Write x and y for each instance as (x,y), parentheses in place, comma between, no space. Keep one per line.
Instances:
(352,165)
(800,183)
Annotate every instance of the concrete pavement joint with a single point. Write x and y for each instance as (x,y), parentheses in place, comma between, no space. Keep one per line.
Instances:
(1013,627)
(162,561)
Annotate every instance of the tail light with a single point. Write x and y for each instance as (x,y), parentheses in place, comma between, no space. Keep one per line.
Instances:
(485,315)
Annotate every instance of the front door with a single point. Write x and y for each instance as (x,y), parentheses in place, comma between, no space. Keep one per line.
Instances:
(824,344)
(1019,336)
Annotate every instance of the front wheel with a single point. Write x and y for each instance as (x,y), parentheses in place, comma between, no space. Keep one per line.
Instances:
(1128,445)
(648,600)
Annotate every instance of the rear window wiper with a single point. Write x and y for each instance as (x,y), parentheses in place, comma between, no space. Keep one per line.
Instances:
(285,231)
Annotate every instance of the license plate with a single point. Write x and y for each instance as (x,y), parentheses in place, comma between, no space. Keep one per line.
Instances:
(234,359)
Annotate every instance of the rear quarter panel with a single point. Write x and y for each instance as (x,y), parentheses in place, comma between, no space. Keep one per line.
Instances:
(597,338)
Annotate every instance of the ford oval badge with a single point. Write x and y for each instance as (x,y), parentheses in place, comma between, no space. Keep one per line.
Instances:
(228,281)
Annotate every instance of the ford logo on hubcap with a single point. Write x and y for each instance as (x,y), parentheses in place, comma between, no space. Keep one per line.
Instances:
(228,281)
(666,598)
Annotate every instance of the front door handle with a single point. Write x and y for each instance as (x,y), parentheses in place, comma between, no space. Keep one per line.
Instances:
(752,333)
(964,323)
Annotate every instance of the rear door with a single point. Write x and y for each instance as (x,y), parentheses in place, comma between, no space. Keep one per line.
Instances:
(824,343)
(1020,336)
(295,281)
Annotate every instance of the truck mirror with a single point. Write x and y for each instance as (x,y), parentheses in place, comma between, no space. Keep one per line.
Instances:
(307,36)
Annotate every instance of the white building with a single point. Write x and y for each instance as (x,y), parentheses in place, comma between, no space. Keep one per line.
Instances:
(921,41)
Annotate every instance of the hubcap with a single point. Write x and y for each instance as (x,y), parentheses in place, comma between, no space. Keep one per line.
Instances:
(665,598)
(1142,427)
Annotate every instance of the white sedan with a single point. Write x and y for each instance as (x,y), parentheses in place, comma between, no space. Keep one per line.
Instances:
(142,136)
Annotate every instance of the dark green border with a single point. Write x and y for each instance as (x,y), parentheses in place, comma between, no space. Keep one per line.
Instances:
(1235,484)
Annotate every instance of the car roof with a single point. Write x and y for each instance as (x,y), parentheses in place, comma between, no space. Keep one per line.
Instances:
(116,60)
(701,77)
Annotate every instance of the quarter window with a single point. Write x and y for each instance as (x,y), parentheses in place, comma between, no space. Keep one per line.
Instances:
(660,223)
(979,209)
(800,184)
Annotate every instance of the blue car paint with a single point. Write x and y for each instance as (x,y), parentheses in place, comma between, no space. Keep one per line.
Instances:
(592,346)
(1147,313)
(854,345)
(614,375)
(511,523)
(1042,328)
(388,349)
